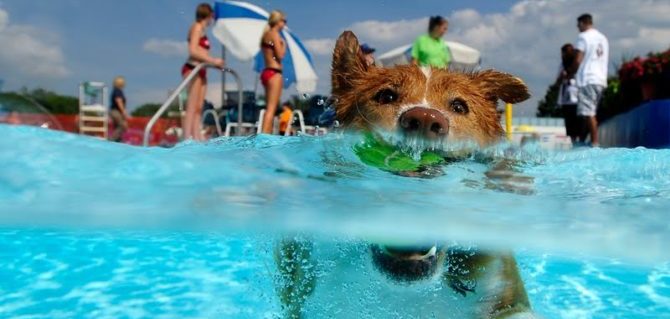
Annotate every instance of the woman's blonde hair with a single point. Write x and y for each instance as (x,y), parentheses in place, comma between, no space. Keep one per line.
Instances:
(119,81)
(275,17)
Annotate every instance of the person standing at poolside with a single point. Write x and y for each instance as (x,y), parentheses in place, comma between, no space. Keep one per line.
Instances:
(591,64)
(567,93)
(118,110)
(273,49)
(431,49)
(198,51)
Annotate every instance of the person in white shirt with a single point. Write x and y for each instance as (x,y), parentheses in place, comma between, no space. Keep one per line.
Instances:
(592,59)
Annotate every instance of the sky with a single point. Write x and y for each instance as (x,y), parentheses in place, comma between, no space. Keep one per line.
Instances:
(58,44)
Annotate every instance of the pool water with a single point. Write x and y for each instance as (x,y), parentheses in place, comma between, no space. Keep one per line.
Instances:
(101,230)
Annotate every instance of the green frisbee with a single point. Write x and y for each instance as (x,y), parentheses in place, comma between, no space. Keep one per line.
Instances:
(375,152)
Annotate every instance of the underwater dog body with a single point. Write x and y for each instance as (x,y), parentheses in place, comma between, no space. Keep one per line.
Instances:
(414,109)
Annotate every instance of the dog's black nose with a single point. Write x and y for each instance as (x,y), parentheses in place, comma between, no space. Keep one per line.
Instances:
(424,122)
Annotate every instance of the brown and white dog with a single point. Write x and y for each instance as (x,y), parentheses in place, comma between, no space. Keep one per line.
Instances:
(437,107)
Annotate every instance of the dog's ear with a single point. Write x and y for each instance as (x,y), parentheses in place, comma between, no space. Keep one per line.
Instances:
(498,85)
(348,62)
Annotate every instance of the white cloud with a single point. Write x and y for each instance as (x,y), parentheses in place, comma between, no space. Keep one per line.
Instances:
(166,48)
(4,19)
(323,46)
(526,39)
(389,33)
(29,53)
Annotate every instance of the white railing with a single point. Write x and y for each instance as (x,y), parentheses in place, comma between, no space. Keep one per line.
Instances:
(181,87)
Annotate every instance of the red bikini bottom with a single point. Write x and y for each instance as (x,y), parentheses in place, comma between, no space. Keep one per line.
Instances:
(267,74)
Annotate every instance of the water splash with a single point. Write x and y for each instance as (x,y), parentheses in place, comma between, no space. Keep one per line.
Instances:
(602,202)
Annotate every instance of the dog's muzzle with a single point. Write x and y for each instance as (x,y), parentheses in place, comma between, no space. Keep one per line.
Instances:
(423,122)
(405,263)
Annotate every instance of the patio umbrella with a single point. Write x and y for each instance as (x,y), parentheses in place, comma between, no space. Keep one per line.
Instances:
(239,27)
(462,56)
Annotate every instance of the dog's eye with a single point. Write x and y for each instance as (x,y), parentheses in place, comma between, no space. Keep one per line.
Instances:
(386,96)
(459,106)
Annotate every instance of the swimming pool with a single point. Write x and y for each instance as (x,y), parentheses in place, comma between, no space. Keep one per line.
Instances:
(95,229)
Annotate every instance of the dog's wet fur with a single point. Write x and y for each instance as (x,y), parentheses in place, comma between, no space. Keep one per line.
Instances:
(439,108)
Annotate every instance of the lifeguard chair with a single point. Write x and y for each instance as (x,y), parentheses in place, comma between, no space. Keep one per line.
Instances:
(93,110)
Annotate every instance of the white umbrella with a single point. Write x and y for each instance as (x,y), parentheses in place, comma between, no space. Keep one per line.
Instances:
(239,26)
(462,56)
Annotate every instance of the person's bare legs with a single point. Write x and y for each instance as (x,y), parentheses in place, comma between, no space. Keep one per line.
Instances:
(191,108)
(592,124)
(197,124)
(272,96)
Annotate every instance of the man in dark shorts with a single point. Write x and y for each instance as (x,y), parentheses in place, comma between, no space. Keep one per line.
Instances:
(118,110)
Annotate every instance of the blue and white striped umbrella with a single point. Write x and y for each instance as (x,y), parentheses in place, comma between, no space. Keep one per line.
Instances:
(239,26)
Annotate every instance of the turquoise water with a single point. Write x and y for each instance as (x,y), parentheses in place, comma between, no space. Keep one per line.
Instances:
(95,229)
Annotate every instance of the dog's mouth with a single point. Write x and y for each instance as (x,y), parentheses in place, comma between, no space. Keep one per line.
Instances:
(415,146)
(406,264)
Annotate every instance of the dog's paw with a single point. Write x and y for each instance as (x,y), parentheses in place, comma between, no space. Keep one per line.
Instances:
(509,181)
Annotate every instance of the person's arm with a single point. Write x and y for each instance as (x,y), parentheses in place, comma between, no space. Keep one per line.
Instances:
(122,106)
(580,48)
(562,74)
(279,46)
(579,58)
(198,53)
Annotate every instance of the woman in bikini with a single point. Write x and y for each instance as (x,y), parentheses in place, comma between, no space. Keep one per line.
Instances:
(274,49)
(198,50)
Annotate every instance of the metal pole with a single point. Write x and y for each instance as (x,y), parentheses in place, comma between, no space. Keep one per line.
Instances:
(164,107)
(508,121)
(223,77)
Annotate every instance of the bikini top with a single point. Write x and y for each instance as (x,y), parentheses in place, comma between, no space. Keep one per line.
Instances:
(203,42)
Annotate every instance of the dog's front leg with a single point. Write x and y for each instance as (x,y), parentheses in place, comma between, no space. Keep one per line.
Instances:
(296,278)
(504,176)
(510,301)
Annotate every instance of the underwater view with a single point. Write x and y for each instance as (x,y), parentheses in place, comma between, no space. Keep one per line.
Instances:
(96,229)
(335,159)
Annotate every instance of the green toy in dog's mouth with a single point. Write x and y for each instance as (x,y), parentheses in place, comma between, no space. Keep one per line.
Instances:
(376,152)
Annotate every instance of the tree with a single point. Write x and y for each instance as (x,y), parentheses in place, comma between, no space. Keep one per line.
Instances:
(548,106)
(54,102)
(149,109)
(14,102)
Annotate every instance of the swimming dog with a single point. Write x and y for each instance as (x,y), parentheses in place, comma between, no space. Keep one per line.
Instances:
(420,107)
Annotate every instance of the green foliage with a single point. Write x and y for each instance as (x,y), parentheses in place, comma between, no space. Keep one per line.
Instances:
(149,109)
(611,103)
(54,102)
(14,102)
(548,106)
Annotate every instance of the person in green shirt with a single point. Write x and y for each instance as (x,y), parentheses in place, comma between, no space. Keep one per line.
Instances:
(430,49)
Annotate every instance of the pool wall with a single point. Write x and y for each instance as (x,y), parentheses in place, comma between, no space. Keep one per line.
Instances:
(647,125)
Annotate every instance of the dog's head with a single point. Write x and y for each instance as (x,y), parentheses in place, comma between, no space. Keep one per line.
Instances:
(418,103)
